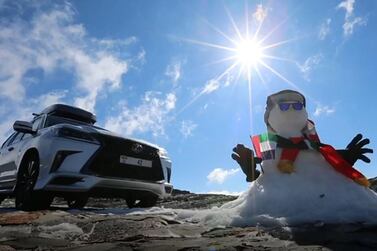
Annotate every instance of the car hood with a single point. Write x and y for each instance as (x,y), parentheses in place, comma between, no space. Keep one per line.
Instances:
(97,130)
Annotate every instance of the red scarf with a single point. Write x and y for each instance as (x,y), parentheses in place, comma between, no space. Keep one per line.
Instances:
(289,155)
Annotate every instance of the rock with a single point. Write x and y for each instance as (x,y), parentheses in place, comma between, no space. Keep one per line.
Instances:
(176,192)
(6,248)
(187,200)
(17,218)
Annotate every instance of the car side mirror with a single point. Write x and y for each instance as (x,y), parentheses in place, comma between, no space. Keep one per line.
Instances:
(24,127)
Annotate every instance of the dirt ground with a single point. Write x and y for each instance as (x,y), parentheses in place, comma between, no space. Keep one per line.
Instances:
(107,224)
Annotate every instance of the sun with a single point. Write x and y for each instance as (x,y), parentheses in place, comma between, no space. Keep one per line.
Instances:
(249,53)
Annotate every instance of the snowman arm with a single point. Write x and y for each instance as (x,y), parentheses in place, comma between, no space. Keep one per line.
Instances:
(248,163)
(355,150)
(258,160)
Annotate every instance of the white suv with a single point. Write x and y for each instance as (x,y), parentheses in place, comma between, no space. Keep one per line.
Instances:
(61,153)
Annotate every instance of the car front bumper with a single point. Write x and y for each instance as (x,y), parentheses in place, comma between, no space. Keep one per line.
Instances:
(79,183)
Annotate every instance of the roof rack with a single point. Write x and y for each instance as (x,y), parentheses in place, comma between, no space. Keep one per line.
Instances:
(70,112)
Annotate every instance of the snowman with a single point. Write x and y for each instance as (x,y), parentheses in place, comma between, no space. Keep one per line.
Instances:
(302,179)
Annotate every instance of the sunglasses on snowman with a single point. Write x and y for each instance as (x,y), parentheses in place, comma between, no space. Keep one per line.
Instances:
(284,106)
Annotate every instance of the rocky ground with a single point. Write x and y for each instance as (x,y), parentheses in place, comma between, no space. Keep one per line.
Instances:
(108,225)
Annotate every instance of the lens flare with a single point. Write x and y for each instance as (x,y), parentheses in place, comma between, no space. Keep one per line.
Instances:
(249,53)
(246,51)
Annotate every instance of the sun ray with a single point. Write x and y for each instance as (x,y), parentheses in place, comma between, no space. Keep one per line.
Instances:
(240,71)
(221,32)
(233,24)
(260,75)
(222,60)
(226,71)
(250,103)
(203,92)
(280,58)
(188,104)
(260,23)
(218,46)
(247,19)
(279,43)
(273,30)
(278,74)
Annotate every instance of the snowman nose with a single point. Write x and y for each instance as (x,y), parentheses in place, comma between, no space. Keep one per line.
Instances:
(284,106)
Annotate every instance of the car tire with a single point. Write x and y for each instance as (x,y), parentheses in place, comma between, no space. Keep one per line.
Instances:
(131,202)
(26,198)
(148,201)
(144,202)
(78,202)
(2,197)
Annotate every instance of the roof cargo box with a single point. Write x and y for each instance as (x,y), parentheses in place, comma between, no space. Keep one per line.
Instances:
(70,112)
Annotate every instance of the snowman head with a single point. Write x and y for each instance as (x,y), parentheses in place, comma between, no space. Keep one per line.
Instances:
(285,113)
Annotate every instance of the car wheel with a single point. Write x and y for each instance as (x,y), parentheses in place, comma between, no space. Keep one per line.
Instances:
(78,202)
(146,201)
(26,198)
(131,202)
(2,197)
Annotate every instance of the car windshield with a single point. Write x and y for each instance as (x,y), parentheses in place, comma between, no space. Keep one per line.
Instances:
(54,120)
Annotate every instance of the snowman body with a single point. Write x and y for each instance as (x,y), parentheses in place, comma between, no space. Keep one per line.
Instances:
(313,191)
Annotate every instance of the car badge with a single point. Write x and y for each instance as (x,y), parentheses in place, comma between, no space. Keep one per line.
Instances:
(137,148)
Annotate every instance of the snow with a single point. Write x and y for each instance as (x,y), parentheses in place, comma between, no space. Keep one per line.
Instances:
(60,231)
(315,193)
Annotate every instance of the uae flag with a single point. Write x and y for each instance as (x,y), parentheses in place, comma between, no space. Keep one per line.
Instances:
(265,145)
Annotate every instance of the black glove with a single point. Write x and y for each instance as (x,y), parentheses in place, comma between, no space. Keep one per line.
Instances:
(355,150)
(245,158)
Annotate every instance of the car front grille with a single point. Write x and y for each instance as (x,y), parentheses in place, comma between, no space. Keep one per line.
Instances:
(106,161)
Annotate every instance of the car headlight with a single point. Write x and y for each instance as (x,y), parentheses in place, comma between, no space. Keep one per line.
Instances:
(162,153)
(71,133)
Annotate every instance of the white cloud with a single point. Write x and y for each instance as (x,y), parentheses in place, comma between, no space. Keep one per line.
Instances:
(219,175)
(118,44)
(348,6)
(187,127)
(349,25)
(47,99)
(141,56)
(260,13)
(309,65)
(52,40)
(350,21)
(323,110)
(324,29)
(211,86)
(24,111)
(173,71)
(150,116)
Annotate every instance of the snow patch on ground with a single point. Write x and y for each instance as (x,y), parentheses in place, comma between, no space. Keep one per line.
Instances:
(315,193)
(17,231)
(60,231)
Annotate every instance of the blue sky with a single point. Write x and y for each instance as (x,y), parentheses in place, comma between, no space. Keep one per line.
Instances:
(154,70)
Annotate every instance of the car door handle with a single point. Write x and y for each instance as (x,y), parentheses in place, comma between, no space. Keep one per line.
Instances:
(10,149)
